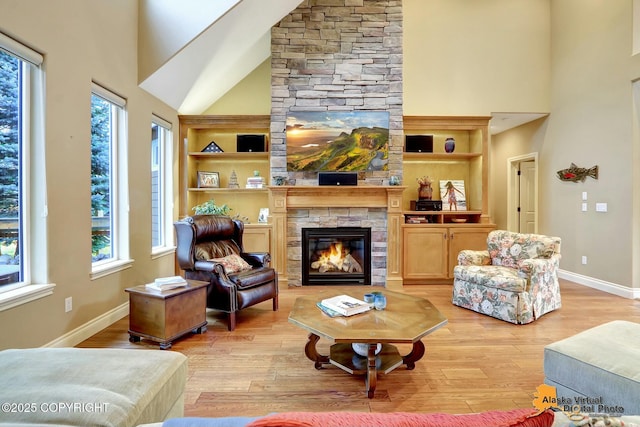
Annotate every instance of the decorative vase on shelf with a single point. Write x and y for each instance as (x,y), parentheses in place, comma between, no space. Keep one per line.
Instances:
(449,145)
(425,192)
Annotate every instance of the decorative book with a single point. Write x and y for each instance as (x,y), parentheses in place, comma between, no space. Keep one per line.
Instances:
(346,305)
(167,283)
(327,310)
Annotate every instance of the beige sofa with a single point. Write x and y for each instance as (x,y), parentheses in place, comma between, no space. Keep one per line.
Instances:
(90,387)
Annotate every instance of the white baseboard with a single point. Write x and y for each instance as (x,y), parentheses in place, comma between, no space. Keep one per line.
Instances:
(90,328)
(609,287)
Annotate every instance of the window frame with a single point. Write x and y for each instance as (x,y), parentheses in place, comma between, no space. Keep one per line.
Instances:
(119,194)
(165,178)
(34,282)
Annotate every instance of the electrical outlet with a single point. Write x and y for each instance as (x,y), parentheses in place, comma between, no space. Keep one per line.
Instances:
(584,260)
(584,196)
(68,304)
(584,207)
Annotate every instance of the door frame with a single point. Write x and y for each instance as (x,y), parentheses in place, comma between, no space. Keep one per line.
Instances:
(513,165)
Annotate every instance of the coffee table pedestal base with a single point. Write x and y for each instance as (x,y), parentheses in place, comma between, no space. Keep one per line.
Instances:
(343,356)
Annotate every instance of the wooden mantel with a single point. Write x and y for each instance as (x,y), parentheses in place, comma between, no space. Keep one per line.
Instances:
(283,198)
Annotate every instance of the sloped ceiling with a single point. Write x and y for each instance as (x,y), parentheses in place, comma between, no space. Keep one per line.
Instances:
(190,58)
(193,51)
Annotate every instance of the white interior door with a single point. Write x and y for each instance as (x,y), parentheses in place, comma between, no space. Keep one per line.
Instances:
(522,197)
(527,194)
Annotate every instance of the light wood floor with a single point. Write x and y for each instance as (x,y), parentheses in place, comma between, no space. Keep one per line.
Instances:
(474,363)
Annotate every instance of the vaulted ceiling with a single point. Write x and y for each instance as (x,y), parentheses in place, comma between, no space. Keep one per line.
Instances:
(193,51)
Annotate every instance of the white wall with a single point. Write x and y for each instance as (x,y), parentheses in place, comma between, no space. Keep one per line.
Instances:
(475,57)
(84,40)
(591,123)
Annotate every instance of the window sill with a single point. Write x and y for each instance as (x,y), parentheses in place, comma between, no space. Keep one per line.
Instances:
(24,294)
(110,268)
(160,252)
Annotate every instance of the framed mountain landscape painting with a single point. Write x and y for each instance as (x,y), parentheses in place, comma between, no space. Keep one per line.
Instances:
(344,141)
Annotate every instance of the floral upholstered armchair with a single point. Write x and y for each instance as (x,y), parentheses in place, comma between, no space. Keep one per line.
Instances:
(515,279)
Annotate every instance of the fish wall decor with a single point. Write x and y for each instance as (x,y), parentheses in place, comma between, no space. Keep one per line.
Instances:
(575,173)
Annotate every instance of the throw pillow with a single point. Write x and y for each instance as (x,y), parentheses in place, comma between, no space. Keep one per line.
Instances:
(512,418)
(232,263)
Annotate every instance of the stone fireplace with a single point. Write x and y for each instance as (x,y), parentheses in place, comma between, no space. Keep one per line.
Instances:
(376,207)
(337,55)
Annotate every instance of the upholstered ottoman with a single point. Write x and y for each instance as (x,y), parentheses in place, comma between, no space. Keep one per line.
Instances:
(601,364)
(90,387)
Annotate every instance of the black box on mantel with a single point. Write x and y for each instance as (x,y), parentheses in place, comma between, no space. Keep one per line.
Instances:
(337,178)
(426,205)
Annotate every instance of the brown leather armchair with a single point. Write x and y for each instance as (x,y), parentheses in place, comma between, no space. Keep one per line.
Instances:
(205,243)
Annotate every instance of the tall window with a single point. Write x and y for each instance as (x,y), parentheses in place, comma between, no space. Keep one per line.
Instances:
(19,67)
(109,201)
(161,185)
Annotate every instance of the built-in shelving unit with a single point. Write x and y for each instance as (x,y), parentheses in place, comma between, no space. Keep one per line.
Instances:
(196,133)
(433,239)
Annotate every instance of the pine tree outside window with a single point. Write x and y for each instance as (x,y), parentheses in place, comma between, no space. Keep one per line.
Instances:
(23,176)
(109,195)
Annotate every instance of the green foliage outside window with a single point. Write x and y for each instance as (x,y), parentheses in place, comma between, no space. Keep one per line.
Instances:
(9,142)
(100,170)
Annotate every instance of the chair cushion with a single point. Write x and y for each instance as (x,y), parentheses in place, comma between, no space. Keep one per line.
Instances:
(232,263)
(250,278)
(491,276)
(215,249)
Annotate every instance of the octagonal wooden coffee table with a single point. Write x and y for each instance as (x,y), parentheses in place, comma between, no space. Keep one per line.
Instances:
(406,320)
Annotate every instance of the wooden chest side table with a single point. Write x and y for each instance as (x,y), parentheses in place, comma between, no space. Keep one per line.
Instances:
(164,316)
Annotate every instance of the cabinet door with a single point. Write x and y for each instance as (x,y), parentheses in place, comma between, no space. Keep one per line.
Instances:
(256,239)
(425,253)
(465,238)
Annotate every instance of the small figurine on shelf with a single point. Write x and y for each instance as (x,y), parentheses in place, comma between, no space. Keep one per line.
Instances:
(233,180)
(425,192)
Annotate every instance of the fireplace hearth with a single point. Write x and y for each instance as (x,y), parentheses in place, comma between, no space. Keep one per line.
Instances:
(336,256)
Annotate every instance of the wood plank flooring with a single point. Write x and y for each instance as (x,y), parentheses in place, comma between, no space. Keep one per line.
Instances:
(475,363)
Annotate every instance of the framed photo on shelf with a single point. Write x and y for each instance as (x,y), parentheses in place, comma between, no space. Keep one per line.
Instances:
(208,179)
(453,195)
(263,216)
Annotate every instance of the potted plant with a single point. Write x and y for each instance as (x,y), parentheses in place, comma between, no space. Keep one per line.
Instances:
(210,208)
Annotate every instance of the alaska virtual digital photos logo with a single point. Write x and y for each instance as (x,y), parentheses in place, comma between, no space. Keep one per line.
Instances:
(582,411)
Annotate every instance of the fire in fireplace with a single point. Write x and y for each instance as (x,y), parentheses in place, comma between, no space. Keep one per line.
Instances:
(336,256)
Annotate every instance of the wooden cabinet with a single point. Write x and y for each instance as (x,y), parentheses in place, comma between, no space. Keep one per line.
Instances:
(432,239)
(164,316)
(431,252)
(474,238)
(256,238)
(425,253)
(196,133)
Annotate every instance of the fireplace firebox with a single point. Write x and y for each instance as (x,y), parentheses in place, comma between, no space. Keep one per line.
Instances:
(336,256)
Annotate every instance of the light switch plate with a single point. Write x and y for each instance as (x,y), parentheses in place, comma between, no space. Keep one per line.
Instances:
(584,207)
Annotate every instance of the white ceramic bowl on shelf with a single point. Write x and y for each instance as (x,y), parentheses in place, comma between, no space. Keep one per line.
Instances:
(361,349)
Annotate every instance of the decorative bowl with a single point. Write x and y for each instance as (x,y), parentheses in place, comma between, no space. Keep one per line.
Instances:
(459,220)
(362,349)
